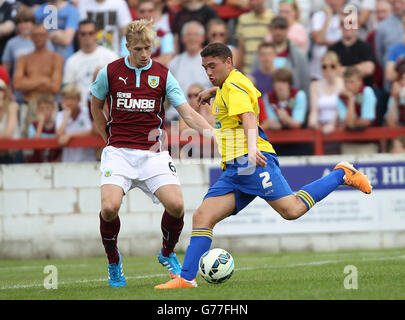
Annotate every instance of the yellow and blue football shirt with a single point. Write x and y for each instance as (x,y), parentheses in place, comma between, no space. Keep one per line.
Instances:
(237,95)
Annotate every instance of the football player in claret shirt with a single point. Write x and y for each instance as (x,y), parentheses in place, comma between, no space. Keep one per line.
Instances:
(250,164)
(135,88)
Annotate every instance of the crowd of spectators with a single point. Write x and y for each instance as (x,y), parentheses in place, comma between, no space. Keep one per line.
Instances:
(319,64)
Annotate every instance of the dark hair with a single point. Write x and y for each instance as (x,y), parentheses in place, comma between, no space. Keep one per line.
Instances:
(217,49)
(87,21)
(24,15)
(283,75)
(266,44)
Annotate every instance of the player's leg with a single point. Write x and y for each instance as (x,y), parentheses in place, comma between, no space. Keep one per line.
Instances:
(111,198)
(172,223)
(211,211)
(114,185)
(294,206)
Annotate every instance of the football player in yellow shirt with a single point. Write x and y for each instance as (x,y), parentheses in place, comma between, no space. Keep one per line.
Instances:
(249,162)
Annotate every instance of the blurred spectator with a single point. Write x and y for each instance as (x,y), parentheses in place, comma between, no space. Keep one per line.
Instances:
(250,31)
(37,72)
(357,110)
(289,10)
(229,9)
(186,67)
(193,10)
(324,94)
(71,122)
(357,102)
(217,32)
(382,11)
(8,125)
(44,127)
(397,145)
(67,23)
(325,31)
(204,110)
(366,20)
(20,44)
(7,24)
(288,55)
(395,115)
(389,33)
(133,8)
(111,18)
(162,16)
(354,52)
(31,4)
(285,106)
(395,55)
(80,67)
(163,46)
(261,77)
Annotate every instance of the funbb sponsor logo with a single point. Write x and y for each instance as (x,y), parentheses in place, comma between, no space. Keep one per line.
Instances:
(145,105)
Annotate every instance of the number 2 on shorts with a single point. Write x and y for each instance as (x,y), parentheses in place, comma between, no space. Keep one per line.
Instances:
(266,177)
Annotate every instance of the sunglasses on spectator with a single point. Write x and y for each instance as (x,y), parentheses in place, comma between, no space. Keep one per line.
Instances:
(331,66)
(192,95)
(89,33)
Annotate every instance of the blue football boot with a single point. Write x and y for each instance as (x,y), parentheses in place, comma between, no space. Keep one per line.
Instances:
(116,276)
(171,263)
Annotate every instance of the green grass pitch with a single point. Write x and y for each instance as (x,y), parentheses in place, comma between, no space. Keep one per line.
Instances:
(257,276)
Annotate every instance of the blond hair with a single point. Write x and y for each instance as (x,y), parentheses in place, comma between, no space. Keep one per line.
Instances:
(71,90)
(140,31)
(331,56)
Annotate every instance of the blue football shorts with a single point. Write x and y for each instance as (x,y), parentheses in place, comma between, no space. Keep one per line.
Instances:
(248,182)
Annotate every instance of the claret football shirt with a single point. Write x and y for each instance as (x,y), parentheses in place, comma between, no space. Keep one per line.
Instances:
(135,98)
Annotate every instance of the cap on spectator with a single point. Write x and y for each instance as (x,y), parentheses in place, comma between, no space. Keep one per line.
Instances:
(279,22)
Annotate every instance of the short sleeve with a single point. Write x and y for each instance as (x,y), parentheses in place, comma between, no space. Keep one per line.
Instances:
(99,88)
(369,104)
(239,101)
(173,91)
(300,108)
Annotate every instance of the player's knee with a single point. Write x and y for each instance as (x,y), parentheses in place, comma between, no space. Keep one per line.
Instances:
(175,208)
(202,220)
(109,211)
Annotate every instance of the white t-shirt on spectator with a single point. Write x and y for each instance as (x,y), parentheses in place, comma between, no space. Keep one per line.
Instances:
(333,33)
(188,71)
(82,123)
(110,16)
(80,67)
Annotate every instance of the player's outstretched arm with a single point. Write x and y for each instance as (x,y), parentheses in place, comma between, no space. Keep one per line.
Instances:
(195,120)
(100,121)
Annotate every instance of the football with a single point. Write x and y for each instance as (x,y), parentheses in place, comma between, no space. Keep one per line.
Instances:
(216,265)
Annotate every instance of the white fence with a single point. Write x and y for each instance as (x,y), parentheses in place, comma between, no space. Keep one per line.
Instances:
(51,210)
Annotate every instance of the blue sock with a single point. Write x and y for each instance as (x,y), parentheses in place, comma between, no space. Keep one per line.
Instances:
(319,189)
(200,242)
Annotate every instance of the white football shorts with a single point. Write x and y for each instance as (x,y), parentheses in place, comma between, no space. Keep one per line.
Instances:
(131,168)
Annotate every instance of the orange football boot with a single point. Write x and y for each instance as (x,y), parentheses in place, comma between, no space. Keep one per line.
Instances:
(178,282)
(354,178)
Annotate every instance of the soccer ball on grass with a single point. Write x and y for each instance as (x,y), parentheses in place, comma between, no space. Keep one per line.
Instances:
(216,265)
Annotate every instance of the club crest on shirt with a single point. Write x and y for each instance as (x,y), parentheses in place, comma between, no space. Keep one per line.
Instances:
(153,81)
